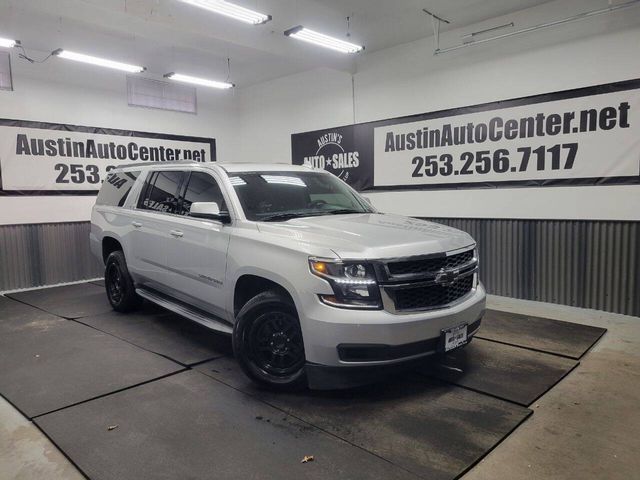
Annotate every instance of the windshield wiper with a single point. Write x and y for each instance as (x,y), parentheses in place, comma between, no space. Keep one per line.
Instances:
(284,216)
(342,211)
(281,217)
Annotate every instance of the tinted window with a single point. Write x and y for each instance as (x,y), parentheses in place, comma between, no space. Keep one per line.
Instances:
(160,192)
(269,196)
(202,187)
(116,188)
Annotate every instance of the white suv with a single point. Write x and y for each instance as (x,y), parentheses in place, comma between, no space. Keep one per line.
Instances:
(314,284)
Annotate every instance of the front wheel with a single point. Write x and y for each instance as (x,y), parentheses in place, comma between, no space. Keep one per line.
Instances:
(119,285)
(267,342)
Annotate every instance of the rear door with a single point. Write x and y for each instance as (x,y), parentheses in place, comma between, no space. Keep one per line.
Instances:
(156,208)
(197,253)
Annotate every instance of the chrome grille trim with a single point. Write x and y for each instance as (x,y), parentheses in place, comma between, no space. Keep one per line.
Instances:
(391,284)
(385,275)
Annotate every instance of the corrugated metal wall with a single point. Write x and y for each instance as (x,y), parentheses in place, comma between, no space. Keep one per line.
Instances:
(591,264)
(45,254)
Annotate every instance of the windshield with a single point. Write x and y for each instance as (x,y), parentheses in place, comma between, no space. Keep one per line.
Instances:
(280,196)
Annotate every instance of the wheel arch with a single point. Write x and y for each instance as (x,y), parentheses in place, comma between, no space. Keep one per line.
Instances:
(110,244)
(248,285)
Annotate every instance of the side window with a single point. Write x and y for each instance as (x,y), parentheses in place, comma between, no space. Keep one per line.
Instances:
(146,189)
(116,188)
(202,187)
(160,192)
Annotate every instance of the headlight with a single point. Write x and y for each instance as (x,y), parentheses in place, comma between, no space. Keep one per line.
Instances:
(354,283)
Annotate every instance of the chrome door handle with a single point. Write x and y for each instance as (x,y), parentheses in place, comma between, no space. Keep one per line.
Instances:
(136,224)
(176,233)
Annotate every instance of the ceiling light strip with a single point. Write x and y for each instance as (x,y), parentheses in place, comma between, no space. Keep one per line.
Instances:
(231,10)
(7,43)
(179,77)
(101,62)
(325,40)
(317,38)
(328,43)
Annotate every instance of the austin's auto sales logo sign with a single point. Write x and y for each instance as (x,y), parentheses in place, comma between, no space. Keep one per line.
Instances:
(333,156)
(344,151)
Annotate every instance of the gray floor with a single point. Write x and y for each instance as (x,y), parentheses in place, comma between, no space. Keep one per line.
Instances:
(25,453)
(586,427)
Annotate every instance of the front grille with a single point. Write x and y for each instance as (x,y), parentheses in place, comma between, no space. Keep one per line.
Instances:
(413,267)
(432,296)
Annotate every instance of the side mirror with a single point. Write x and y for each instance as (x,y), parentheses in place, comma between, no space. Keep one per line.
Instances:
(209,211)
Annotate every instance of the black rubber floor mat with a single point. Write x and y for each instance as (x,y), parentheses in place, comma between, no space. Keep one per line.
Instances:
(47,362)
(433,429)
(164,333)
(543,334)
(69,301)
(191,426)
(511,373)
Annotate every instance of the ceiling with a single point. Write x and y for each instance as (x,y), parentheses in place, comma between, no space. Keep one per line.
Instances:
(167,35)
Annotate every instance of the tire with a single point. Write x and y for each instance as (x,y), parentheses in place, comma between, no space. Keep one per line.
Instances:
(267,342)
(119,285)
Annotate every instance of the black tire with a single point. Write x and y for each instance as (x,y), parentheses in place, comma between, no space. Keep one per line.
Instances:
(267,342)
(119,285)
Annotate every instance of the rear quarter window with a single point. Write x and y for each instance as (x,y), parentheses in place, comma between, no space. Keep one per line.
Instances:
(116,188)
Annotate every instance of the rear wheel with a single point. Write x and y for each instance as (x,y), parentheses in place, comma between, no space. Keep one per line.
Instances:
(119,285)
(267,342)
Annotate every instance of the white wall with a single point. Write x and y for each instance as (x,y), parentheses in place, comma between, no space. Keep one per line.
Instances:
(270,112)
(255,123)
(408,79)
(65,92)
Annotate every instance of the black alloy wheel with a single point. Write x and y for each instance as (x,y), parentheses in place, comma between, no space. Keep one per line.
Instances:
(120,289)
(275,344)
(113,282)
(268,342)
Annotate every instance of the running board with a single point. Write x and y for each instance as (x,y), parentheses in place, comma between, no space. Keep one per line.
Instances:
(185,311)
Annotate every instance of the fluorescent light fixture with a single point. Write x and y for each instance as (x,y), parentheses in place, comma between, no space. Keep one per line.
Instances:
(8,43)
(101,62)
(311,36)
(231,10)
(198,81)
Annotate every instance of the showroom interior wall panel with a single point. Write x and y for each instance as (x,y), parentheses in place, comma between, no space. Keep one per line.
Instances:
(589,264)
(547,255)
(409,79)
(76,95)
(34,255)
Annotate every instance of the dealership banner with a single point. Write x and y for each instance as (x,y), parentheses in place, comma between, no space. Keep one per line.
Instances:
(586,136)
(42,158)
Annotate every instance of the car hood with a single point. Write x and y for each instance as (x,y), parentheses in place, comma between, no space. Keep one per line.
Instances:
(370,235)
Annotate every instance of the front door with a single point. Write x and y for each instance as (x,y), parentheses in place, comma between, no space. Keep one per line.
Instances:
(197,249)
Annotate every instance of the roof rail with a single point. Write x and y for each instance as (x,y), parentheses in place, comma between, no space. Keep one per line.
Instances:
(151,162)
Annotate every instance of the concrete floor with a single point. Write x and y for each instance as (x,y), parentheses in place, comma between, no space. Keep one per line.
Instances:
(587,426)
(26,454)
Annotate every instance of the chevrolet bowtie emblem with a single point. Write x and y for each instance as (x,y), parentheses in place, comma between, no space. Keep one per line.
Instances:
(446,278)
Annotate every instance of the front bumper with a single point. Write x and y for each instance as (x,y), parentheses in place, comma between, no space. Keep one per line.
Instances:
(325,328)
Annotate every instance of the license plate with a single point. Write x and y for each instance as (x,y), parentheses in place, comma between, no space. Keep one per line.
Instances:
(455,337)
